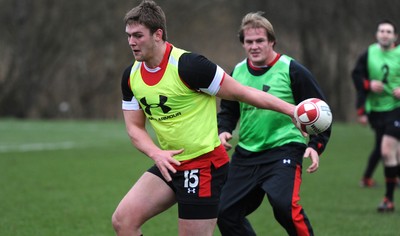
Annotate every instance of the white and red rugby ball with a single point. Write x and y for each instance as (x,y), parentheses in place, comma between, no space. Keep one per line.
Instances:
(313,116)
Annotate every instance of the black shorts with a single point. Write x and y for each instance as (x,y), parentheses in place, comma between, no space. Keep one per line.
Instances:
(388,122)
(198,186)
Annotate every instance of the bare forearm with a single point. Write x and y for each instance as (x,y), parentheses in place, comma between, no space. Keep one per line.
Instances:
(265,100)
(142,141)
(135,123)
(233,90)
(163,159)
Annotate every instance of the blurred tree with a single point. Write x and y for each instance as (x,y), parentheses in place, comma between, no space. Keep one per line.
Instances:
(64,59)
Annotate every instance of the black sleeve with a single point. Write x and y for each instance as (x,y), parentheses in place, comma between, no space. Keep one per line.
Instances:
(359,76)
(196,70)
(305,86)
(126,91)
(228,116)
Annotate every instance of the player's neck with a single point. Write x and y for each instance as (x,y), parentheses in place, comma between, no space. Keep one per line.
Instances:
(387,48)
(158,55)
(273,58)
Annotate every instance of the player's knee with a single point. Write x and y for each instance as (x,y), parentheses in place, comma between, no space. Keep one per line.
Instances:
(388,157)
(116,222)
(221,220)
(125,223)
(121,223)
(222,214)
(224,225)
(227,218)
(283,206)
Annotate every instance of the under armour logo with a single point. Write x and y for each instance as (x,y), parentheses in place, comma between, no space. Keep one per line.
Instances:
(191,190)
(163,100)
(286,161)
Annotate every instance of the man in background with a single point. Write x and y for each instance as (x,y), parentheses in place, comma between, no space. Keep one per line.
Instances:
(376,77)
(268,158)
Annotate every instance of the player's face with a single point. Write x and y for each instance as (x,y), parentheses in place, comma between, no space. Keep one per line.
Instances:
(386,36)
(141,41)
(258,49)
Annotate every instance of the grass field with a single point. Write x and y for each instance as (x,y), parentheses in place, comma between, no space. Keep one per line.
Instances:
(65,178)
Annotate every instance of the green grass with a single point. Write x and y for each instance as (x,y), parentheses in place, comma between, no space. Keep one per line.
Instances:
(65,178)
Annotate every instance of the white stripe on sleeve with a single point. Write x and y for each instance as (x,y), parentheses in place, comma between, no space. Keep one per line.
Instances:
(216,82)
(132,105)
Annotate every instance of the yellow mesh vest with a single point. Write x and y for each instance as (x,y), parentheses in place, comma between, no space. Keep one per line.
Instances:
(181,117)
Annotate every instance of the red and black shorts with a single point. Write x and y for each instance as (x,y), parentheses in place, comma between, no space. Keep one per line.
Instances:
(198,183)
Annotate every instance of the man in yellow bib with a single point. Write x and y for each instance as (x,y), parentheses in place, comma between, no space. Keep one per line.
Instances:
(176,91)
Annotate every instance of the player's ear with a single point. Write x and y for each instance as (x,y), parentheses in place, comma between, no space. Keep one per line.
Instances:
(158,35)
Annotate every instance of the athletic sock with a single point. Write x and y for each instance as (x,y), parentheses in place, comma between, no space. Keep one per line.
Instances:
(398,171)
(390,179)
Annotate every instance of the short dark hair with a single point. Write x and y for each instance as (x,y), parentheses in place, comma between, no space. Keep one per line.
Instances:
(149,14)
(386,21)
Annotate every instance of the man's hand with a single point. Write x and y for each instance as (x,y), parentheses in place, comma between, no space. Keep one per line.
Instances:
(225,137)
(311,153)
(363,120)
(376,86)
(164,159)
(396,93)
(297,124)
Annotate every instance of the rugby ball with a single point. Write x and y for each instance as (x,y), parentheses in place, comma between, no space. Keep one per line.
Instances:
(313,116)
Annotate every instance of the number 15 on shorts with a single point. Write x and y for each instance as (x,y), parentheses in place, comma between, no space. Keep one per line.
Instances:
(191,181)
